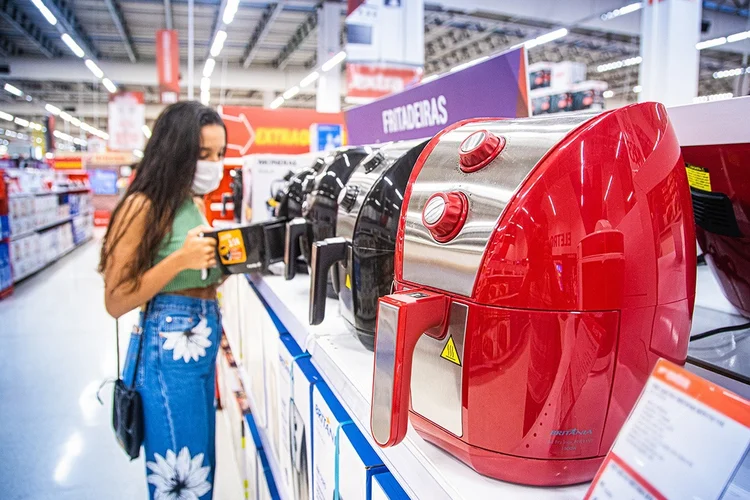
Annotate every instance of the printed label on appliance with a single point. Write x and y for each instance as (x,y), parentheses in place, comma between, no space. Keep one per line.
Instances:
(450,353)
(348,282)
(698,177)
(686,438)
(231,247)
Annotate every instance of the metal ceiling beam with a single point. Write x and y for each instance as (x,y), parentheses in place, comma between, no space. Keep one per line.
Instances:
(168,14)
(10,11)
(8,48)
(261,30)
(67,22)
(299,36)
(122,28)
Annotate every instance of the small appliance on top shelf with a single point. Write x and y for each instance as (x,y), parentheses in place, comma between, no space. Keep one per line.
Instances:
(362,250)
(542,267)
(320,208)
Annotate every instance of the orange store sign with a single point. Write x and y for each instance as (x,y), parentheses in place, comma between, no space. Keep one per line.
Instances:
(283,131)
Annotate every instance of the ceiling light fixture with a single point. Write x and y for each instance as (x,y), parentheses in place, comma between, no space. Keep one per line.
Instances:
(714,42)
(205,84)
(430,78)
(728,73)
(547,37)
(48,15)
(713,97)
(309,79)
(13,90)
(631,61)
(91,65)
(52,109)
(111,87)
(205,97)
(607,94)
(638,89)
(72,45)
(146,131)
(230,10)
(334,61)
(633,7)
(277,102)
(291,92)
(208,68)
(6,116)
(218,44)
(468,64)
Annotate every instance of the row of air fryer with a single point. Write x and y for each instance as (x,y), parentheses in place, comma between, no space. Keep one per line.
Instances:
(518,279)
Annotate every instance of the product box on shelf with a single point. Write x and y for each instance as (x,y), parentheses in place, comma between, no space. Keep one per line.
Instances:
(230,390)
(341,454)
(251,317)
(271,361)
(297,376)
(385,487)
(230,313)
(6,276)
(556,76)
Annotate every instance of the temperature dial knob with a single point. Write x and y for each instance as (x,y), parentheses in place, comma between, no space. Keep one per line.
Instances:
(479,149)
(444,215)
(348,197)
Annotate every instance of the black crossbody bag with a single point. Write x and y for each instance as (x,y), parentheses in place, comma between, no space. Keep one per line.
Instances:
(127,406)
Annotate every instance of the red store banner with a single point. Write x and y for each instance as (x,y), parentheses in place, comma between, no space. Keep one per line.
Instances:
(281,131)
(371,81)
(168,65)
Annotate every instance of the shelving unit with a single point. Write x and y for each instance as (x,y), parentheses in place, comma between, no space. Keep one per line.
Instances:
(423,470)
(17,279)
(49,225)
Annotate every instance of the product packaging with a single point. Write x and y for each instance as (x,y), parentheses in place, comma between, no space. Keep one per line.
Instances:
(252,315)
(385,487)
(232,398)
(296,379)
(343,460)
(252,460)
(230,315)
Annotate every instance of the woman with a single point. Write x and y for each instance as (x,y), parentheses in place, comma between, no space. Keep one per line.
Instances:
(153,255)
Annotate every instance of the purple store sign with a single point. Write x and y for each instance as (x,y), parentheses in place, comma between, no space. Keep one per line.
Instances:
(497,88)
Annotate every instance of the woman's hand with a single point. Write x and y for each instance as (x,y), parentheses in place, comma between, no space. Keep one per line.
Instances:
(198,252)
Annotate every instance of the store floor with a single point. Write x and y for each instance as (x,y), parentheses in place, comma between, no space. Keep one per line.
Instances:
(56,347)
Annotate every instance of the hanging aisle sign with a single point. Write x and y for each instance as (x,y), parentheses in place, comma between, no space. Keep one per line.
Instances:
(168,65)
(127,115)
(497,87)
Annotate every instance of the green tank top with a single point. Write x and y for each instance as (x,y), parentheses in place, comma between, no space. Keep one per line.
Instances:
(187,217)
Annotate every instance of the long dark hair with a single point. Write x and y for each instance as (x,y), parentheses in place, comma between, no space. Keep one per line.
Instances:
(164,176)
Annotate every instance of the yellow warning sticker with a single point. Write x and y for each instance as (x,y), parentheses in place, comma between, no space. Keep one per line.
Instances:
(348,282)
(698,177)
(450,353)
(231,247)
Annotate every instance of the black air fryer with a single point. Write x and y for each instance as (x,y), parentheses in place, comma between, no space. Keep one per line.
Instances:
(368,216)
(254,247)
(320,209)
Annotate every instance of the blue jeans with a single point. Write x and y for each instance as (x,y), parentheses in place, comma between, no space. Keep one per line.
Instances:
(176,380)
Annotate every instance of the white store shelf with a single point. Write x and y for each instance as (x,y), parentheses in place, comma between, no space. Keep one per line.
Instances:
(46,226)
(265,442)
(81,190)
(424,470)
(18,278)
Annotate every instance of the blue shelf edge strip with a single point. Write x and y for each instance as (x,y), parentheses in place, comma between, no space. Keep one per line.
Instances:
(255,434)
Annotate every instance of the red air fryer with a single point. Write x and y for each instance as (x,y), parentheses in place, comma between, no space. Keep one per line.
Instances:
(543,265)
(716,158)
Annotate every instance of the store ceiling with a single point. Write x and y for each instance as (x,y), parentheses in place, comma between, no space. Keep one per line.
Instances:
(122,32)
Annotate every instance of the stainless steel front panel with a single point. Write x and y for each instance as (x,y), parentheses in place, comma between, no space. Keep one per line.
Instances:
(454,266)
(385,364)
(364,180)
(436,382)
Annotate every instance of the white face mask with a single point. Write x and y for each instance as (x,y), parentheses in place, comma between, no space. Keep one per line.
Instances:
(208,175)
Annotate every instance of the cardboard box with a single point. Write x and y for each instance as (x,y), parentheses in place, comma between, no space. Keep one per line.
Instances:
(297,376)
(337,440)
(251,327)
(385,487)
(230,391)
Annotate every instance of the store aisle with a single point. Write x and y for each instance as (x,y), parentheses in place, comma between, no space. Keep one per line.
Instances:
(57,345)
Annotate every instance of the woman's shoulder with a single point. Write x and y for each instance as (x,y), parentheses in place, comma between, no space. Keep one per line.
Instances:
(136,201)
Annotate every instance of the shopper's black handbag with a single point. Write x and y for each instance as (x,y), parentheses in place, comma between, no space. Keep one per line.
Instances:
(127,407)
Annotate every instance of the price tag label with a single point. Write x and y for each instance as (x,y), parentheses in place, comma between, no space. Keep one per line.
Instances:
(686,438)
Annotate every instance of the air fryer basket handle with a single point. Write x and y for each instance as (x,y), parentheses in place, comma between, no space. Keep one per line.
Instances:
(324,254)
(402,319)
(295,228)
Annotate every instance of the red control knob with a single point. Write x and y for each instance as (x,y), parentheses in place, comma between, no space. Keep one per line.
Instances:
(479,149)
(444,215)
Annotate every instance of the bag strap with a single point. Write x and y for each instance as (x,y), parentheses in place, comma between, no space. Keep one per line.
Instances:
(140,345)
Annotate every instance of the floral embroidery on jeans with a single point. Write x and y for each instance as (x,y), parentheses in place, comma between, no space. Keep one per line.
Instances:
(190,344)
(179,477)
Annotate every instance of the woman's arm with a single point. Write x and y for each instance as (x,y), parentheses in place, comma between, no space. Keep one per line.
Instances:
(119,298)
